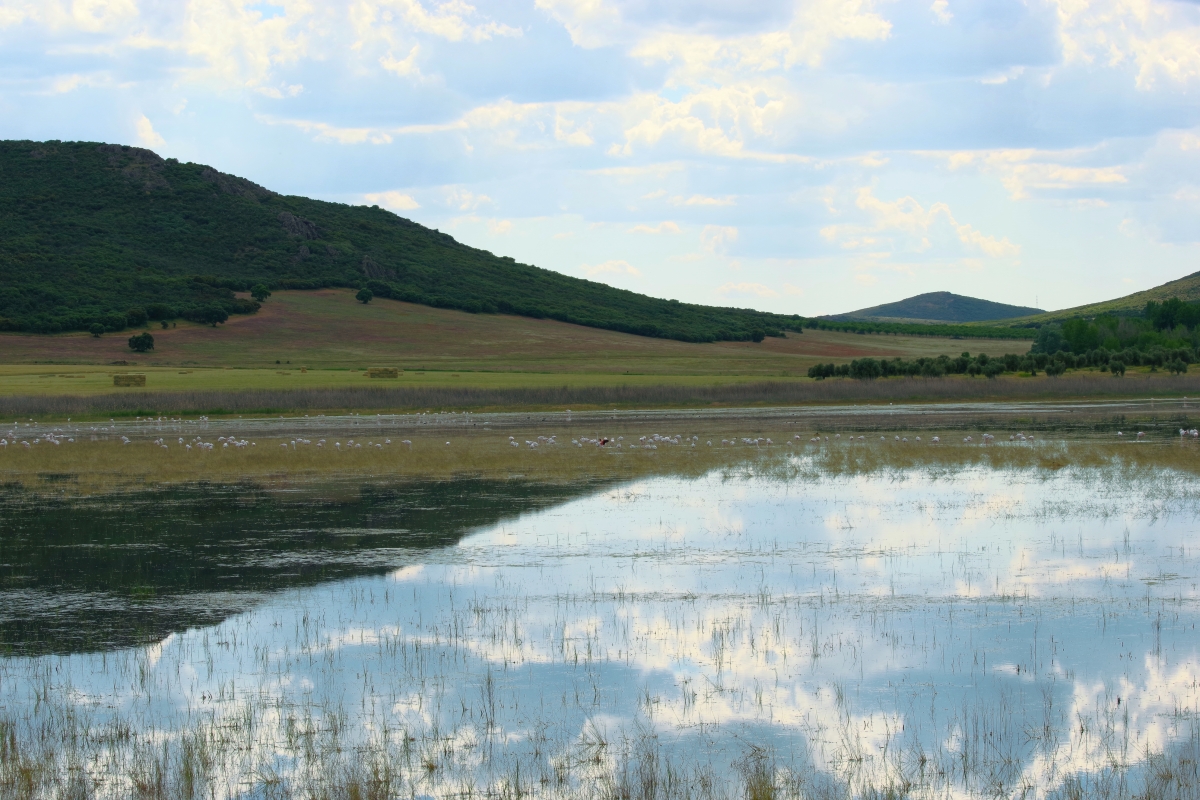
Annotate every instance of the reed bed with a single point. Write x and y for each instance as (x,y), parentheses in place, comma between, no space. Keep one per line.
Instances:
(623,396)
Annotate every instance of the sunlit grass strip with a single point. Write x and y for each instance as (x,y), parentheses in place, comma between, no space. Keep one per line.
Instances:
(616,396)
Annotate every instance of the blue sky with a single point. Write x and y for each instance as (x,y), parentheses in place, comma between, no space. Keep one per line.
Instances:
(806,157)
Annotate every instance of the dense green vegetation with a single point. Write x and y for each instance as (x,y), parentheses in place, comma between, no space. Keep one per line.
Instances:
(1053,364)
(1166,336)
(112,236)
(921,329)
(940,307)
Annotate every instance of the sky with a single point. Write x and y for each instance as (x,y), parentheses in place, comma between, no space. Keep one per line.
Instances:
(805,157)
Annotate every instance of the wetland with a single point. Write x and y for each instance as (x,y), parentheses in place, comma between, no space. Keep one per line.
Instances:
(957,602)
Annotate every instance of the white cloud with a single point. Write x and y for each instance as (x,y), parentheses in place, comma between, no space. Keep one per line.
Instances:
(717,238)
(615,267)
(459,198)
(146,135)
(405,67)
(662,227)
(500,226)
(591,23)
(1028,171)
(1161,40)
(448,20)
(907,216)
(393,200)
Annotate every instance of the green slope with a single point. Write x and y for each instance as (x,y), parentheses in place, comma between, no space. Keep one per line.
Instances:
(1186,288)
(939,307)
(89,231)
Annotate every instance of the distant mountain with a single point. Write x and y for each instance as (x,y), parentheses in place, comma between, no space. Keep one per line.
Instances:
(1186,288)
(107,235)
(938,307)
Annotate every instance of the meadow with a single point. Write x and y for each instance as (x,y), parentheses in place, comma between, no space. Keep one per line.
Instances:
(329,330)
(840,612)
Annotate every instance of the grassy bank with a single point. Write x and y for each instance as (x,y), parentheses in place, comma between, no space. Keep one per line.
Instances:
(624,395)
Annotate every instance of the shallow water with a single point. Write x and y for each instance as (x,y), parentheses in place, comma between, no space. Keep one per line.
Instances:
(962,632)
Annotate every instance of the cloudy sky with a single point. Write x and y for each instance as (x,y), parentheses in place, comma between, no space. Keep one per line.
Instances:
(808,156)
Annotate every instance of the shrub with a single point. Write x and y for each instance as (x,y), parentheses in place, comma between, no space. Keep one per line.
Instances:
(1177,366)
(260,292)
(136,317)
(364,296)
(141,343)
(1117,368)
(757,335)
(95,329)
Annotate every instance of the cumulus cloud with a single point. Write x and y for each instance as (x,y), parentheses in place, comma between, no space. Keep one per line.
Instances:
(146,135)
(717,238)
(1027,171)
(1159,40)
(393,200)
(907,216)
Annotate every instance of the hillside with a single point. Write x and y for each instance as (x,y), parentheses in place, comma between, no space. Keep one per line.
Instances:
(328,332)
(97,234)
(938,307)
(1186,288)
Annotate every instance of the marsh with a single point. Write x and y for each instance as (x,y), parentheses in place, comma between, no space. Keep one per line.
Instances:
(822,615)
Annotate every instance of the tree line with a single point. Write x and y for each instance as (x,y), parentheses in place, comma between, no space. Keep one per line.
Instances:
(1175,360)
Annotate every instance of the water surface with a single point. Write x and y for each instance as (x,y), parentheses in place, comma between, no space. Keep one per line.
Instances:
(959,631)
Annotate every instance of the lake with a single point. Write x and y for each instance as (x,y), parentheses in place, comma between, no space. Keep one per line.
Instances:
(828,618)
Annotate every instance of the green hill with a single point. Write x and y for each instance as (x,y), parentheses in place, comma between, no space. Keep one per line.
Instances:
(1186,288)
(97,234)
(938,307)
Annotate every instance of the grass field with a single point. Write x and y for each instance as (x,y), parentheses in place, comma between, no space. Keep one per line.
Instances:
(331,334)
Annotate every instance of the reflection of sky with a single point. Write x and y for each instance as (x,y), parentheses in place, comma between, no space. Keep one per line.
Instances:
(971,616)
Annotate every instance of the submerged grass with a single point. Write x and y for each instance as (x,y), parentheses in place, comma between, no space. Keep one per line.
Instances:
(98,460)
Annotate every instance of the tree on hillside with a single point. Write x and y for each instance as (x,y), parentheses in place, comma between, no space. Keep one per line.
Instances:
(136,317)
(757,335)
(260,292)
(211,315)
(141,343)
(1117,368)
(364,296)
(96,329)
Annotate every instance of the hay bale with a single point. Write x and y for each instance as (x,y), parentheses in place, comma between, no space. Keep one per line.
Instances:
(383,372)
(129,379)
